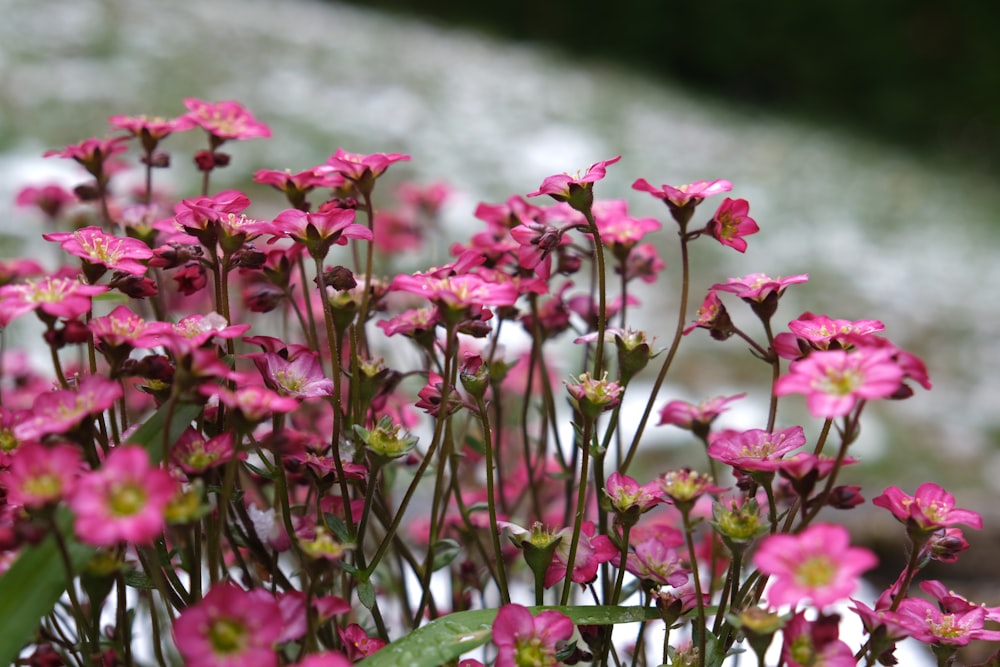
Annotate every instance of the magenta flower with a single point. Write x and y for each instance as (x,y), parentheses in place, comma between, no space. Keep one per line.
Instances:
(40,475)
(819,332)
(712,315)
(194,454)
(300,376)
(359,168)
(122,327)
(756,449)
(229,627)
(591,396)
(815,644)
(224,120)
(626,494)
(685,486)
(619,231)
(457,292)
(690,416)
(92,153)
(756,287)
(62,410)
(926,623)
(684,195)
(54,297)
(818,565)
(319,231)
(324,659)
(151,131)
(563,187)
(357,644)
(523,639)
(94,246)
(654,561)
(254,403)
(732,222)
(123,501)
(835,380)
(49,199)
(929,509)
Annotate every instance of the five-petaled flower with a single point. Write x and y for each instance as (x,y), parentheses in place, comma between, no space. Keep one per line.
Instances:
(225,120)
(50,297)
(732,222)
(818,564)
(577,190)
(523,639)
(930,508)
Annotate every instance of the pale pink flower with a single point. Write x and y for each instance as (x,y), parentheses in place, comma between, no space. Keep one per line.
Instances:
(592,396)
(150,131)
(833,381)
(360,168)
(299,376)
(224,120)
(67,298)
(254,402)
(122,327)
(40,475)
(523,639)
(690,416)
(756,449)
(563,187)
(123,501)
(929,509)
(732,222)
(756,287)
(229,627)
(92,153)
(653,560)
(818,565)
(93,245)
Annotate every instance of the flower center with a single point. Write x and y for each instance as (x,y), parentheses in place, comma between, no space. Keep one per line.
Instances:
(839,382)
(529,652)
(946,628)
(127,499)
(815,571)
(45,485)
(227,636)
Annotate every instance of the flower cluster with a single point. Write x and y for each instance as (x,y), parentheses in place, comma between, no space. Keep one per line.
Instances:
(298,450)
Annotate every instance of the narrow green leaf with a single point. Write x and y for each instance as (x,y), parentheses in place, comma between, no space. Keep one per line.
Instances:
(447,638)
(35,581)
(366,593)
(445,552)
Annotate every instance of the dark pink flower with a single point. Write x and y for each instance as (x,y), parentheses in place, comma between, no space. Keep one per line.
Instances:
(926,623)
(835,380)
(819,332)
(123,501)
(756,286)
(56,297)
(362,169)
(300,376)
(40,475)
(122,327)
(929,509)
(732,222)
(319,231)
(194,454)
(150,131)
(93,245)
(563,187)
(592,396)
(691,417)
(626,494)
(815,643)
(229,627)
(50,199)
(643,262)
(684,195)
(357,644)
(756,449)
(654,561)
(254,403)
(92,153)
(619,231)
(457,292)
(324,659)
(225,120)
(818,565)
(523,639)
(62,410)
(712,315)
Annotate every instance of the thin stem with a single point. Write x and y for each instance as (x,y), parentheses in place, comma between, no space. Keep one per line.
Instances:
(491,497)
(581,507)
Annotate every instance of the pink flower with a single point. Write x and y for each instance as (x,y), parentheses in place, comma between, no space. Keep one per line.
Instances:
(54,297)
(224,120)
(195,454)
(319,231)
(122,501)
(756,449)
(654,561)
(591,396)
(116,253)
(151,131)
(324,659)
(712,315)
(525,640)
(619,231)
(359,168)
(819,332)
(40,475)
(929,509)
(254,403)
(563,187)
(815,644)
(122,327)
(229,627)
(689,416)
(926,623)
(732,222)
(457,292)
(834,380)
(626,494)
(685,486)
(92,153)
(50,199)
(62,410)
(818,564)
(357,643)
(684,195)
(756,287)
(300,376)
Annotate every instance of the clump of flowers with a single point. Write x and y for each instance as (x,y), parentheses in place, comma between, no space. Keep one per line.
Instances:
(270,440)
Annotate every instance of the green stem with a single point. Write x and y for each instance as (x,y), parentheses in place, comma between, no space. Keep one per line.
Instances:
(581,507)
(491,497)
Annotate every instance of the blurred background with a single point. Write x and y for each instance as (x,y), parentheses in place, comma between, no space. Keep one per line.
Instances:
(865,136)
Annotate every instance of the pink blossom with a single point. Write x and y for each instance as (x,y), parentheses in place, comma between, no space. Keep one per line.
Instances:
(457,292)
(756,449)
(116,253)
(324,659)
(151,131)
(684,195)
(55,297)
(712,315)
(360,168)
(255,403)
(50,199)
(124,500)
(122,327)
(685,486)
(195,454)
(300,376)
(619,231)
(229,627)
(626,494)
(929,509)
(357,643)
(225,120)
(92,153)
(732,222)
(815,644)
(926,623)
(592,396)
(643,262)
(654,561)
(62,410)
(591,551)
(522,639)
(756,286)
(818,564)
(835,380)
(563,187)
(819,332)
(40,475)
(690,416)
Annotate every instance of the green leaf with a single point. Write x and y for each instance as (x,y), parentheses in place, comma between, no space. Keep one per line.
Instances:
(35,581)
(447,638)
(366,593)
(445,552)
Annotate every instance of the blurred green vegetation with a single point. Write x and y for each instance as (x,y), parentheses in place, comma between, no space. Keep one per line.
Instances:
(918,73)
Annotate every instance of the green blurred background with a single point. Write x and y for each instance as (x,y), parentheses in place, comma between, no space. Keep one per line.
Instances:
(922,74)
